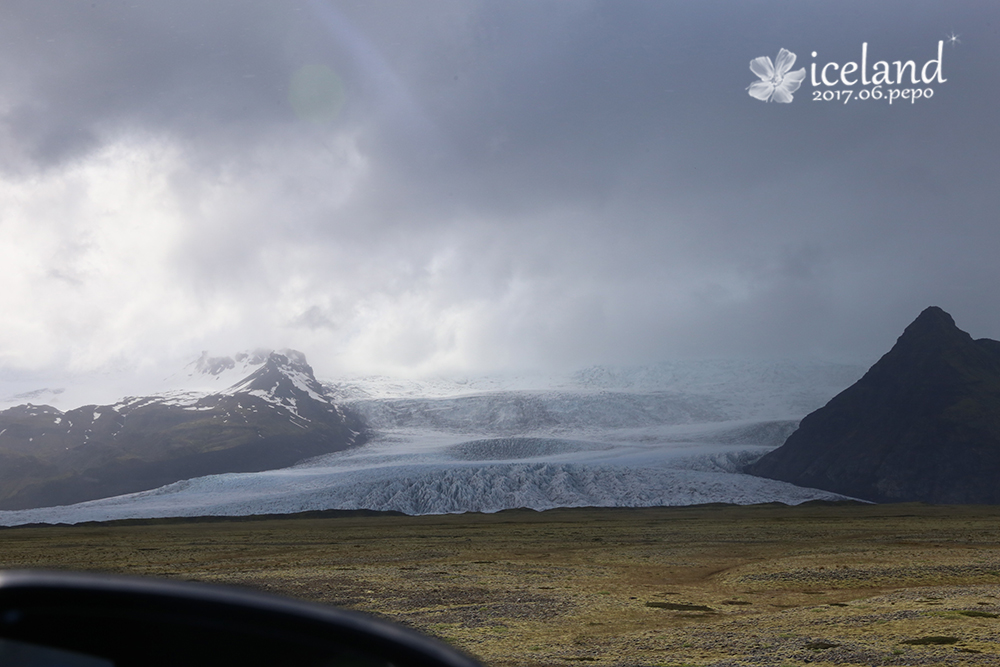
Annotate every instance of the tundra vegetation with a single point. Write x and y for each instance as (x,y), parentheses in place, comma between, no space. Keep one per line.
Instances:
(824,584)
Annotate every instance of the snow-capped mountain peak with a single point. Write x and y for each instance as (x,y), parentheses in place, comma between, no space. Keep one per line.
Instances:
(273,417)
(286,380)
(216,372)
(284,373)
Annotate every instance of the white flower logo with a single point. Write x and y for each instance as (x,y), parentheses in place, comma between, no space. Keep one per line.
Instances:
(776,82)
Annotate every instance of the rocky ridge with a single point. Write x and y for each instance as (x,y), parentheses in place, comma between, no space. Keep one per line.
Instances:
(274,417)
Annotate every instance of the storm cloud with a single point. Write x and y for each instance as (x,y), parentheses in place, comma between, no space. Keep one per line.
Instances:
(452,186)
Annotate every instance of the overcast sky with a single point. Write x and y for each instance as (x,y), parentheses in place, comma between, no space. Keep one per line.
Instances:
(449,186)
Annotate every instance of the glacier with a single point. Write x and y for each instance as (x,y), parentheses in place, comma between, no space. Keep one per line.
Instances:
(669,434)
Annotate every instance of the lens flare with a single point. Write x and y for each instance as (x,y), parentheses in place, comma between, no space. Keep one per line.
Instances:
(316,93)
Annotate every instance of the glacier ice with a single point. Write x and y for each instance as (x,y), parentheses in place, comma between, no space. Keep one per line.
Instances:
(666,435)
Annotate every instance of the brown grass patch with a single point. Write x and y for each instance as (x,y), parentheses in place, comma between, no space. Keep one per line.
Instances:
(530,588)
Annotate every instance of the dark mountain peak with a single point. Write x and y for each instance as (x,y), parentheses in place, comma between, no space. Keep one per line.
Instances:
(933,350)
(933,316)
(933,327)
(920,425)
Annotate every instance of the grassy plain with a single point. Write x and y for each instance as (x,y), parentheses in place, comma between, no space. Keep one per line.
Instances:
(712,585)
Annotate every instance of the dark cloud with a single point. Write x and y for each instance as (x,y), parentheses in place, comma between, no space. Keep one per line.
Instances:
(453,184)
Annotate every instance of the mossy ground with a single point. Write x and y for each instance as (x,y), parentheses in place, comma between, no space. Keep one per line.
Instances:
(765,585)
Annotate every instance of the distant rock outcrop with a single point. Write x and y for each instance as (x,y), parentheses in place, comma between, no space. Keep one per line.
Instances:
(923,424)
(272,418)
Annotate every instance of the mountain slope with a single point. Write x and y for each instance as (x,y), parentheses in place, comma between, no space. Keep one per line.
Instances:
(275,417)
(922,425)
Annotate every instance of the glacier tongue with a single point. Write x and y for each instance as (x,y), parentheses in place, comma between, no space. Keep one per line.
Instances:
(432,489)
(665,435)
(435,473)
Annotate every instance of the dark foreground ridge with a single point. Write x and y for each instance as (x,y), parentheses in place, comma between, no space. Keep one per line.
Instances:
(923,424)
(273,418)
